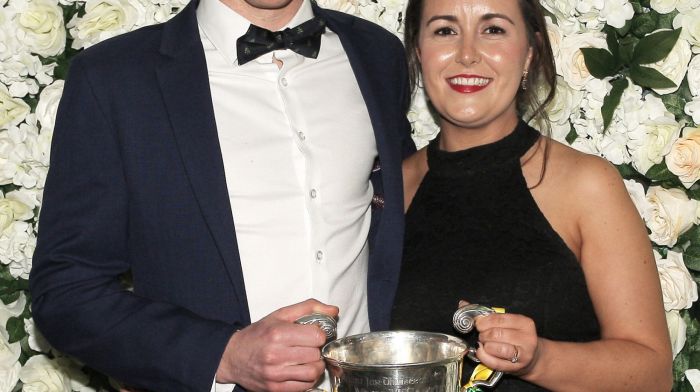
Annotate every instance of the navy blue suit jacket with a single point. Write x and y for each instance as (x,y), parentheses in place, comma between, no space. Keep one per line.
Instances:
(137,184)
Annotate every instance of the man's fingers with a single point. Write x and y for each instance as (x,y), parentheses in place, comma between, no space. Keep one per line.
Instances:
(308,372)
(293,312)
(297,335)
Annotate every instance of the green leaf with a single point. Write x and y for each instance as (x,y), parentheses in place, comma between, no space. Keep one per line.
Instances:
(611,101)
(649,77)
(571,136)
(613,45)
(638,6)
(666,20)
(659,172)
(655,47)
(600,62)
(694,191)
(622,31)
(692,236)
(627,171)
(9,288)
(644,24)
(675,104)
(9,298)
(15,327)
(627,45)
(691,257)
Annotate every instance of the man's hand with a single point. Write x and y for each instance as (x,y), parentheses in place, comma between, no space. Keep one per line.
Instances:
(274,354)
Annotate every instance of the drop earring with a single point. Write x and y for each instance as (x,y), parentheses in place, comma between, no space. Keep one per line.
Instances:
(523,82)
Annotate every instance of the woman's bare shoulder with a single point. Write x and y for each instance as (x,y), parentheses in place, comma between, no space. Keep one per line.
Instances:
(579,171)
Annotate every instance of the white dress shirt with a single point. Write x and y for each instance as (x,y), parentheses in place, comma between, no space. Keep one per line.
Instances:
(298,149)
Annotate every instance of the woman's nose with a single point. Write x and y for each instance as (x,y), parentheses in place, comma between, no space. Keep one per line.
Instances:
(468,53)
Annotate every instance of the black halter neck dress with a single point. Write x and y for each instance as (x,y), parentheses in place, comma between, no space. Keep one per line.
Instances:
(474,232)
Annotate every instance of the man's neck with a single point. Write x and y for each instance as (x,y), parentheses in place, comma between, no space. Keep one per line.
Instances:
(270,18)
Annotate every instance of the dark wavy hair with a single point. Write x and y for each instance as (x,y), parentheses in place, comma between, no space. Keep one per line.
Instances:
(541,73)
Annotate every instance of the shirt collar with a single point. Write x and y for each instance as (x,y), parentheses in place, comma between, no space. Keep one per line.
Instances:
(223,26)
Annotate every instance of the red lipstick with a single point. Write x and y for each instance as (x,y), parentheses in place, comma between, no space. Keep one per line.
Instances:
(468,83)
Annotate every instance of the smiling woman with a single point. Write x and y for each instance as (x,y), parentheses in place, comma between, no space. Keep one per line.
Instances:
(576,273)
(473,63)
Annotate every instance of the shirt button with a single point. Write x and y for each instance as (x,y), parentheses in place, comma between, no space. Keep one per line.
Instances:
(283,82)
(301,135)
(319,256)
(313,193)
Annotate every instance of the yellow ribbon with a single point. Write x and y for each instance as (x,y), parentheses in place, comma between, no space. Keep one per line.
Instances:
(481,372)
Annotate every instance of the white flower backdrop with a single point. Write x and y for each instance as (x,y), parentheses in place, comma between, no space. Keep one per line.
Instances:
(633,98)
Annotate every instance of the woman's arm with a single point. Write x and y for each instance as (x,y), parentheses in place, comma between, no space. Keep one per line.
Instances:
(634,352)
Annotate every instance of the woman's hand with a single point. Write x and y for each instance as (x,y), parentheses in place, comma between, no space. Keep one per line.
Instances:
(507,342)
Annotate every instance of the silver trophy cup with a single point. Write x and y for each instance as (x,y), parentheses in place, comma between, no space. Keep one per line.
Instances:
(401,361)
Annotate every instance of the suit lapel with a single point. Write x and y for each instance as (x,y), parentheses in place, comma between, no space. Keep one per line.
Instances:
(184,82)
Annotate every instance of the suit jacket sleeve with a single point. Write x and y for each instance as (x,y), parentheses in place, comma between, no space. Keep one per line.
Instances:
(78,301)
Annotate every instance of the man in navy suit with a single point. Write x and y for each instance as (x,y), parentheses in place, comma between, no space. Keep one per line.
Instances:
(236,169)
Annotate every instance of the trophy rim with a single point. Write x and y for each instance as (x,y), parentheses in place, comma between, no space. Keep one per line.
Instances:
(441,337)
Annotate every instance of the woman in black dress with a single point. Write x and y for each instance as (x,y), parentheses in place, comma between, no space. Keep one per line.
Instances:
(501,216)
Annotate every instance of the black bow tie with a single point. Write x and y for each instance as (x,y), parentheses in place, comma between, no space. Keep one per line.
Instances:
(304,39)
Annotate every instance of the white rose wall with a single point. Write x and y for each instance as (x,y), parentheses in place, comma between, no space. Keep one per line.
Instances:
(628,90)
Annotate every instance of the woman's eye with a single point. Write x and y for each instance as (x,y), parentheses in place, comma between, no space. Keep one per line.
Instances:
(494,30)
(444,31)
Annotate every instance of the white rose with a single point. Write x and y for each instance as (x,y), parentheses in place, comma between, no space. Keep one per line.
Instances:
(586,145)
(36,340)
(347,6)
(660,134)
(12,111)
(689,21)
(671,214)
(78,379)
(674,66)
(570,63)
(104,19)
(693,377)
(566,101)
(9,375)
(9,45)
(589,13)
(692,108)
(565,14)
(684,158)
(12,210)
(41,27)
(48,104)
(616,12)
(17,245)
(663,6)
(422,122)
(677,285)
(677,329)
(18,73)
(636,192)
(632,111)
(694,76)
(687,5)
(555,36)
(613,144)
(41,374)
(9,362)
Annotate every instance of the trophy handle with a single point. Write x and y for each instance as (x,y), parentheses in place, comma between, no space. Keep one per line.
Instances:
(327,324)
(463,321)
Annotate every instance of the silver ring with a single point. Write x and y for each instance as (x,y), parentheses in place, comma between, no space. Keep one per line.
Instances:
(517,354)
